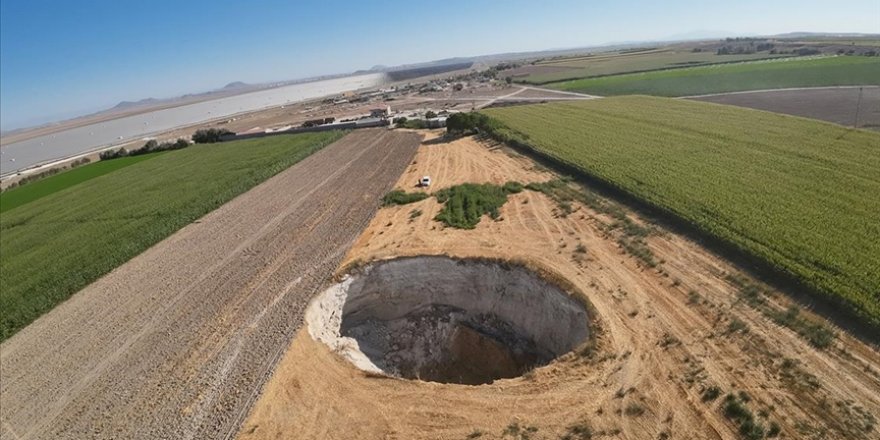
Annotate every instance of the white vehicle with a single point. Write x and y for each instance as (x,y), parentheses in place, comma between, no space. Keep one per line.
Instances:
(425,181)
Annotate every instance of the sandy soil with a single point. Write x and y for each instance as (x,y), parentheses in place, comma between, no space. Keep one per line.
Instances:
(838,105)
(177,342)
(658,349)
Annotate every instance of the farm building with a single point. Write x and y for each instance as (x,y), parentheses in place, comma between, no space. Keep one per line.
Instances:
(436,122)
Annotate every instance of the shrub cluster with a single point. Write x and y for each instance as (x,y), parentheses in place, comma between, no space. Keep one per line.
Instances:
(465,204)
(815,332)
(467,123)
(512,187)
(735,408)
(711,393)
(209,135)
(403,122)
(416,124)
(400,197)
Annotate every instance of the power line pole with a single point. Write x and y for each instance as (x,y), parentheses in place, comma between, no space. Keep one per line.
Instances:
(858,108)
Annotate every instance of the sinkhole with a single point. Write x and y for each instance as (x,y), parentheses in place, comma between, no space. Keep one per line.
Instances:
(440,319)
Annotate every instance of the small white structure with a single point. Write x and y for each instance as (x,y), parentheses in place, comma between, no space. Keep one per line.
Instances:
(438,122)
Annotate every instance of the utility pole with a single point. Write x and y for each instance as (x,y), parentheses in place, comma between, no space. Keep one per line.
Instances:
(858,108)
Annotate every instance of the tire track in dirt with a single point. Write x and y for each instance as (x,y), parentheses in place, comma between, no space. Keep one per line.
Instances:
(660,349)
(176,342)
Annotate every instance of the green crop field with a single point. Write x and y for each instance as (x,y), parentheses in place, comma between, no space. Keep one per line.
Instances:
(768,74)
(801,195)
(35,190)
(52,247)
(612,64)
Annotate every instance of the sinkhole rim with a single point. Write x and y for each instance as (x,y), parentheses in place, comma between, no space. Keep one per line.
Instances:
(451,320)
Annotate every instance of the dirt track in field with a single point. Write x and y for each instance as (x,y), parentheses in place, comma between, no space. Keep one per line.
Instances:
(177,342)
(840,105)
(659,348)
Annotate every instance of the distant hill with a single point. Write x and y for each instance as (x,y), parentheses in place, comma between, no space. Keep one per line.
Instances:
(232,88)
(235,85)
(125,105)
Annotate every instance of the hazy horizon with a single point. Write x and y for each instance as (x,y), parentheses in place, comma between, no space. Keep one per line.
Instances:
(60,60)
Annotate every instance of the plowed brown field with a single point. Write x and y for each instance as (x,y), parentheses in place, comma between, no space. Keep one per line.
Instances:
(850,106)
(177,342)
(660,346)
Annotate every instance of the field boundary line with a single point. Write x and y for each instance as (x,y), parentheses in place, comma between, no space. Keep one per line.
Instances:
(785,89)
(563,92)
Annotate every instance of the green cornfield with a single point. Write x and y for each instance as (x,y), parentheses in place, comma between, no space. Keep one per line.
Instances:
(29,192)
(54,246)
(800,195)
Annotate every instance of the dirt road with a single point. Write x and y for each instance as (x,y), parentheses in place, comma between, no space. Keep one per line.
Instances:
(668,335)
(177,342)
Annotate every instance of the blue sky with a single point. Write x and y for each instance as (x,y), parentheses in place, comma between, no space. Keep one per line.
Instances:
(63,58)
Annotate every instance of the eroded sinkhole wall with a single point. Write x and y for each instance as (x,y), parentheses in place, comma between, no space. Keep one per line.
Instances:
(447,320)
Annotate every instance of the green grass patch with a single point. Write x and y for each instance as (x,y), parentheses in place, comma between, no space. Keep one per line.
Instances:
(799,194)
(736,409)
(465,204)
(512,187)
(414,124)
(52,247)
(400,197)
(24,194)
(770,74)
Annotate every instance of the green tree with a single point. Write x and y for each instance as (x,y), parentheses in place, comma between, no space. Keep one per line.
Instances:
(210,135)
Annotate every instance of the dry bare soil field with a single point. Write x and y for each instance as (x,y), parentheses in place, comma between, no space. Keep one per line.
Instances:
(849,106)
(604,64)
(176,342)
(679,353)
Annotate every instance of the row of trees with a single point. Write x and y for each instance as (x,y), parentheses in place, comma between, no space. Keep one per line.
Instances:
(210,135)
(466,123)
(43,174)
(739,50)
(201,136)
(152,146)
